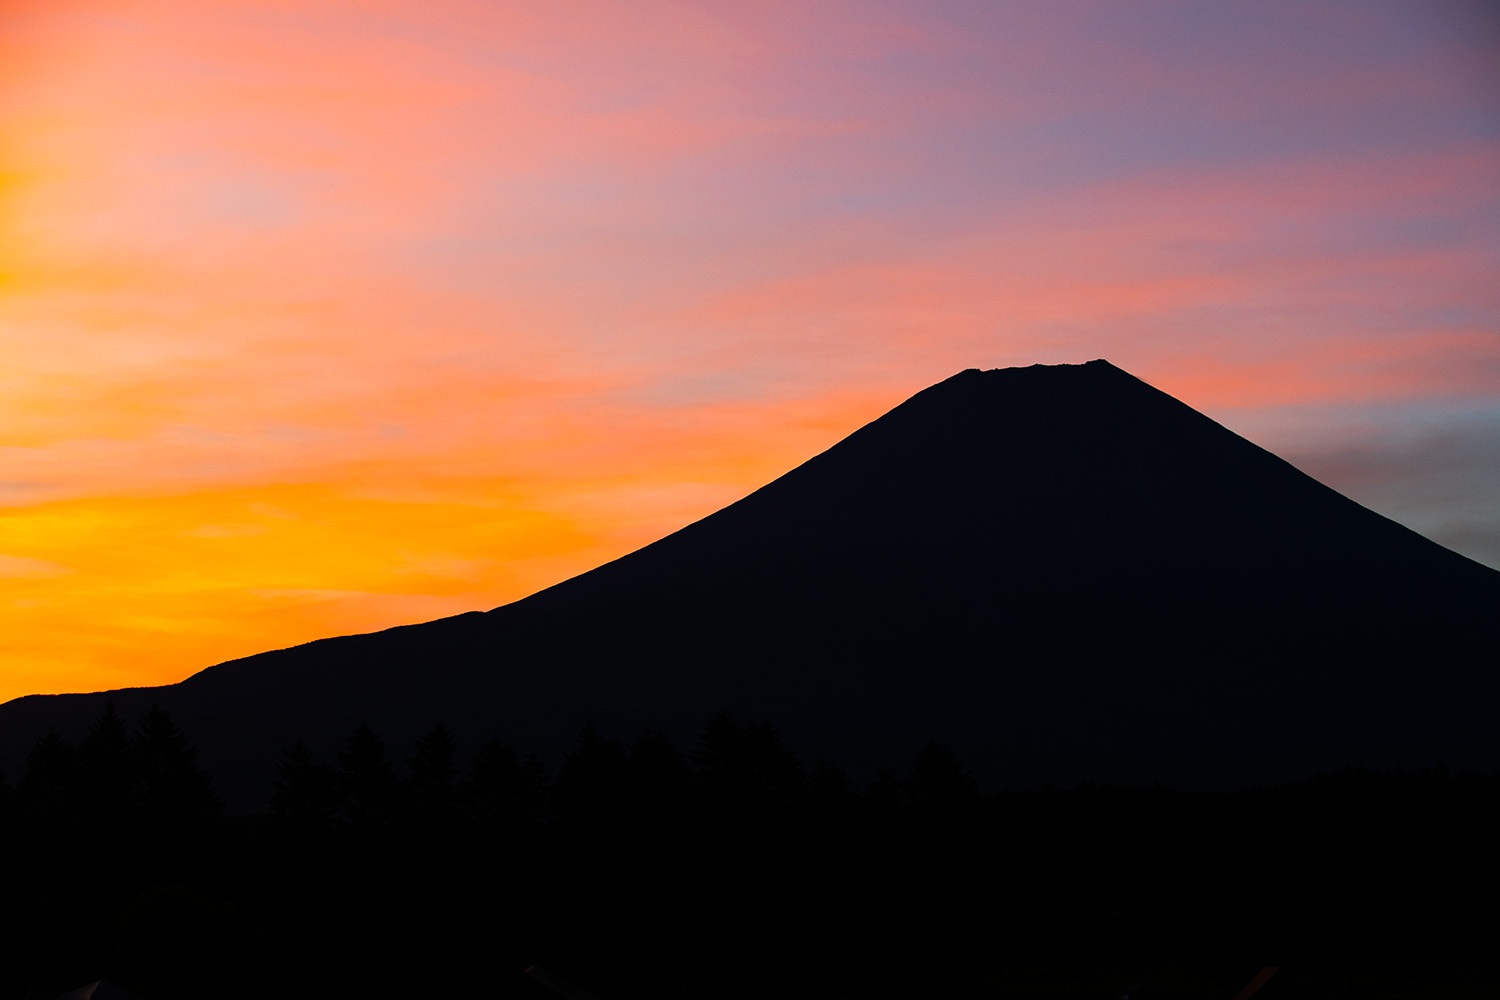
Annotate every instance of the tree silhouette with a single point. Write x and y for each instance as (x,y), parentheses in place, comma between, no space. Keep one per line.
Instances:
(106,769)
(778,776)
(830,787)
(116,816)
(944,842)
(796,863)
(506,795)
(12,845)
(8,822)
(48,844)
(880,891)
(589,794)
(109,801)
(47,792)
(167,768)
(658,788)
(49,801)
(430,791)
(659,840)
(723,770)
(505,800)
(177,828)
(832,841)
(304,794)
(943,801)
(749,791)
(884,800)
(307,880)
(429,874)
(589,809)
(304,798)
(363,924)
(367,783)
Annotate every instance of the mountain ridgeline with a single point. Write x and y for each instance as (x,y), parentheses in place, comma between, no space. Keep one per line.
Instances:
(1061,571)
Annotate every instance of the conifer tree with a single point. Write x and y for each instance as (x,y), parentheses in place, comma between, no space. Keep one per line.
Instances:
(503,792)
(430,789)
(940,789)
(832,821)
(883,850)
(829,788)
(779,782)
(505,801)
(48,791)
(365,925)
(659,838)
(307,888)
(426,870)
(722,770)
(589,793)
(304,794)
(946,873)
(832,842)
(106,770)
(109,799)
(179,812)
(749,790)
(10,834)
(11,846)
(47,873)
(588,805)
(367,782)
(884,798)
(167,770)
(430,816)
(658,781)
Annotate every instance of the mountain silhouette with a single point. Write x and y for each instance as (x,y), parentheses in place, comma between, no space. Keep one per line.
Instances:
(1061,571)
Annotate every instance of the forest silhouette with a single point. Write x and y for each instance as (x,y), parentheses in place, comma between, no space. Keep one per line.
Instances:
(727,868)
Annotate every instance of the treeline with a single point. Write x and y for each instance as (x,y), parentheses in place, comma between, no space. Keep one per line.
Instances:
(103,841)
(729,867)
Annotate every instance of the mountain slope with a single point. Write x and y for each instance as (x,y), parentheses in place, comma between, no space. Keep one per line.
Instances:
(1064,572)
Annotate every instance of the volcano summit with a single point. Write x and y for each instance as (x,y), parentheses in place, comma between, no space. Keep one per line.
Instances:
(1061,571)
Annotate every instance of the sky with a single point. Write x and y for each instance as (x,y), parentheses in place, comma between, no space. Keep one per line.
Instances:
(323,318)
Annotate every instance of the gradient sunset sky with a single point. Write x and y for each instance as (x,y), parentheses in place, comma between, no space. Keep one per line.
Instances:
(324,317)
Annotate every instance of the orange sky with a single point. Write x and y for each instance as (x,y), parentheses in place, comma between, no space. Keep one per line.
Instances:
(324,318)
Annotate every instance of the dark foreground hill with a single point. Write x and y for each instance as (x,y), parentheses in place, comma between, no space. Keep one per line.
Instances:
(1064,573)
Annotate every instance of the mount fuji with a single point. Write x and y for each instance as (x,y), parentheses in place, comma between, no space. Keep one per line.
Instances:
(1060,571)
